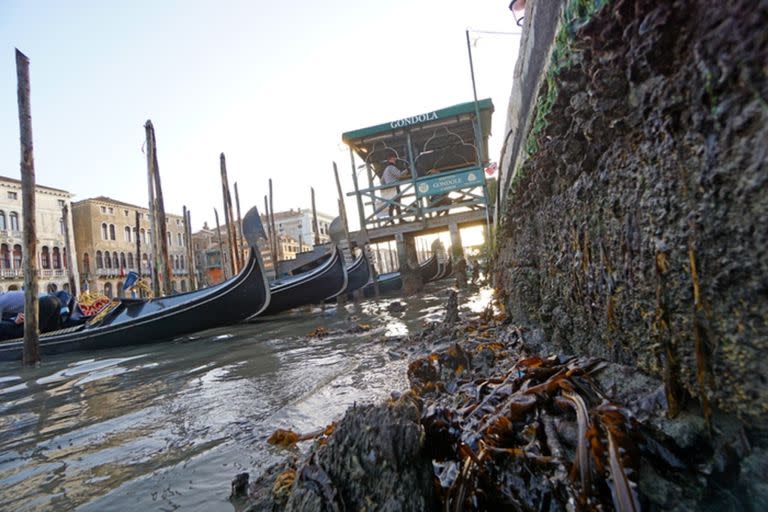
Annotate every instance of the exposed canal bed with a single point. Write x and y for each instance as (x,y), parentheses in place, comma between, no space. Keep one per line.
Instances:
(166,426)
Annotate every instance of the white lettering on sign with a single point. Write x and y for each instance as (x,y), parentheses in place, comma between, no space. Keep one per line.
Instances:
(408,121)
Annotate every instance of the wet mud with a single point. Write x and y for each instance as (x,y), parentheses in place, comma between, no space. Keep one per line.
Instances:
(488,423)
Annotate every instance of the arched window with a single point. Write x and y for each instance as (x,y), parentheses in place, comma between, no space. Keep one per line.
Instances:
(86,263)
(45,258)
(5,256)
(130,260)
(17,256)
(112,232)
(56,258)
(115,260)
(123,263)
(52,288)
(170,239)
(107,259)
(108,289)
(183,286)
(61,226)
(127,233)
(180,239)
(135,234)
(181,262)
(14,217)
(103,262)
(65,287)
(3,225)
(144,263)
(120,291)
(104,232)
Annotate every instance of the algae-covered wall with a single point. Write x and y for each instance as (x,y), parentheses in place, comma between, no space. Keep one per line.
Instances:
(636,225)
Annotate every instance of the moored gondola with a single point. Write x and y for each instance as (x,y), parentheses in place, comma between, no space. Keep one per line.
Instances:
(138,321)
(429,269)
(358,273)
(319,284)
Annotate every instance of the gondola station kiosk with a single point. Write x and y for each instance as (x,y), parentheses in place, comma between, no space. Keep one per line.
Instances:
(441,156)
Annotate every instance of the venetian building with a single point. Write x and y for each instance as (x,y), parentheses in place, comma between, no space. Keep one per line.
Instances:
(208,254)
(51,241)
(108,242)
(297,225)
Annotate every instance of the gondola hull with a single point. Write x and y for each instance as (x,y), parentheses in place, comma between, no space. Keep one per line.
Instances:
(429,269)
(358,273)
(135,321)
(314,287)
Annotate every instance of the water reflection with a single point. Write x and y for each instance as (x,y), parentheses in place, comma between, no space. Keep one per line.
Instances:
(165,426)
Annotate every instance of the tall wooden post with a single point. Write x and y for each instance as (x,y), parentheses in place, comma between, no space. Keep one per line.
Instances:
(138,243)
(315,225)
(271,240)
(228,221)
(31,353)
(68,247)
(278,245)
(221,245)
(343,210)
(240,244)
(190,253)
(154,271)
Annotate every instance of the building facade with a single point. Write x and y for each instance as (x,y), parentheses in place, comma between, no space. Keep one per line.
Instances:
(106,237)
(51,242)
(297,224)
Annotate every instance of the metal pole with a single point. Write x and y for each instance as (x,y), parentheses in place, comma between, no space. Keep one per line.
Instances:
(31,351)
(479,140)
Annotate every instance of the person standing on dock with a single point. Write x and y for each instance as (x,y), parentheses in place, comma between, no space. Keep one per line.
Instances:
(392,174)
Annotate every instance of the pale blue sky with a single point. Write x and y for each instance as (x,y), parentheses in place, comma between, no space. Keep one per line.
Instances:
(272,85)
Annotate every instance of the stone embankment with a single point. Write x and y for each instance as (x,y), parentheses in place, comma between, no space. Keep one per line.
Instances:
(635,225)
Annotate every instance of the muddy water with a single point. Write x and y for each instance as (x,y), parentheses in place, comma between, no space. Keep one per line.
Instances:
(166,426)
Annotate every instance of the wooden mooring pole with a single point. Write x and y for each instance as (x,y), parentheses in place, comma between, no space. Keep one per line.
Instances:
(240,244)
(228,221)
(191,271)
(68,247)
(278,248)
(315,225)
(138,247)
(221,245)
(31,354)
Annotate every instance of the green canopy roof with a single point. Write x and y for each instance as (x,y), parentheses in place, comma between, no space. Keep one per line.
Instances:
(456,120)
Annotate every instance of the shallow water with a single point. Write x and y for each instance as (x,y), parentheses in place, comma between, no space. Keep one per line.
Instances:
(166,426)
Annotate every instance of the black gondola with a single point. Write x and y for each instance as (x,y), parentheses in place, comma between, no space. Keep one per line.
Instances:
(446,269)
(429,269)
(138,321)
(319,284)
(358,273)
(392,281)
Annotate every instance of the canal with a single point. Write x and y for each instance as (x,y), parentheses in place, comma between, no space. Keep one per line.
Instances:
(166,426)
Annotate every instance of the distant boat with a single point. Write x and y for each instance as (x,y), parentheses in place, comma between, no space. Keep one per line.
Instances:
(137,321)
(323,282)
(392,281)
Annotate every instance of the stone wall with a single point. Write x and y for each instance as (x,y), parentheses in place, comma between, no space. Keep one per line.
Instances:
(636,225)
